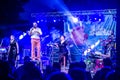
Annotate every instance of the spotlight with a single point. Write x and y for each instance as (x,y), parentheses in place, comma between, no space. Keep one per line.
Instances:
(38,21)
(24,34)
(92,46)
(97,42)
(20,37)
(85,53)
(54,20)
(99,19)
(95,18)
(75,19)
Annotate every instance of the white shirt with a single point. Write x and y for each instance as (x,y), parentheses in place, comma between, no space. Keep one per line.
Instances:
(35,33)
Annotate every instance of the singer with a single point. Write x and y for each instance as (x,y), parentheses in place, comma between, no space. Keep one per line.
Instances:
(13,51)
(63,51)
(35,33)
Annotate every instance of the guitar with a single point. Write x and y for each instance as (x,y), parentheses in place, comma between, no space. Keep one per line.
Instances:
(43,38)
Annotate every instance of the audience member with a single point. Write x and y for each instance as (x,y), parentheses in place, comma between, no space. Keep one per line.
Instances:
(50,69)
(58,76)
(4,71)
(77,71)
(28,71)
(81,66)
(101,74)
(114,74)
(78,74)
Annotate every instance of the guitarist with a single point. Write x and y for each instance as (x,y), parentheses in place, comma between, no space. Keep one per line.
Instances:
(35,33)
(107,51)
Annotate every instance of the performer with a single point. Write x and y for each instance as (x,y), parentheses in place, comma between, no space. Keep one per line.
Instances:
(111,37)
(13,50)
(63,51)
(107,51)
(35,33)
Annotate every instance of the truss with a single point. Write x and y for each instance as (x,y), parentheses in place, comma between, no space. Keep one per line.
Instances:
(75,13)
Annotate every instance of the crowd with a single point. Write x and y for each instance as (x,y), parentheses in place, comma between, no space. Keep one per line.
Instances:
(77,71)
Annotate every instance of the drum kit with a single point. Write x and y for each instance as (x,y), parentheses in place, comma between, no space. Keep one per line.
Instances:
(51,49)
(94,61)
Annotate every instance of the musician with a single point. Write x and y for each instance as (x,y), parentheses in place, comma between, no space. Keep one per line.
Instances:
(63,51)
(13,50)
(111,37)
(107,51)
(35,33)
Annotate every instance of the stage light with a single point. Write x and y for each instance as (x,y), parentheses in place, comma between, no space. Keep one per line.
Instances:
(95,18)
(88,50)
(97,42)
(38,21)
(75,19)
(99,19)
(92,46)
(85,53)
(24,34)
(54,20)
(21,37)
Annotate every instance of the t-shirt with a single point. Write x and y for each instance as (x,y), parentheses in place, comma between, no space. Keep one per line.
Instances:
(35,33)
